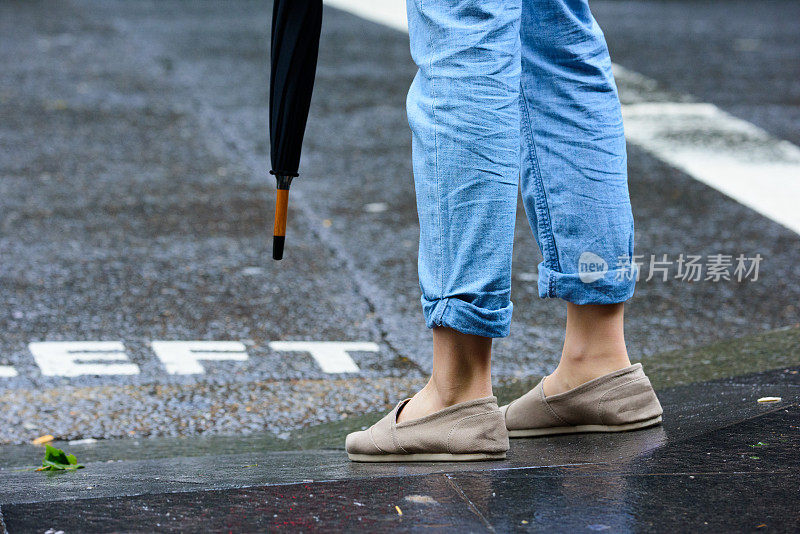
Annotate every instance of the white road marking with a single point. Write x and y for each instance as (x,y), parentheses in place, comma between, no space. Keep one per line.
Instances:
(75,358)
(376,207)
(252,271)
(6,371)
(390,13)
(72,358)
(84,441)
(729,154)
(331,356)
(183,357)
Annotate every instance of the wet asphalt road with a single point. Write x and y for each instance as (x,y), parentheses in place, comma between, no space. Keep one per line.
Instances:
(135,206)
(721,462)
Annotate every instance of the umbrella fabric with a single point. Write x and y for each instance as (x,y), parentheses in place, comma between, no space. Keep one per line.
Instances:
(295,44)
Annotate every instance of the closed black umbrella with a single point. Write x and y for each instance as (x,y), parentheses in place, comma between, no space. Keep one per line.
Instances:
(295,44)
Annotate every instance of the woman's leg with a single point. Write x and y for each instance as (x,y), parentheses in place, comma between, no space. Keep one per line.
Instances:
(594,346)
(462,371)
(464,115)
(574,183)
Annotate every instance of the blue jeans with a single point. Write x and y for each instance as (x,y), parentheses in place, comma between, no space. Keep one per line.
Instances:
(515,95)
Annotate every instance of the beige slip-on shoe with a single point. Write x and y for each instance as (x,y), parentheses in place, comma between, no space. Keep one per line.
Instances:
(472,430)
(618,401)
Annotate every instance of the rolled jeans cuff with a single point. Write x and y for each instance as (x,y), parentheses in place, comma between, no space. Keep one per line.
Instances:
(467,317)
(616,285)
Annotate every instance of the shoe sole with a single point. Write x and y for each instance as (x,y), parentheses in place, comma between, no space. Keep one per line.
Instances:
(580,429)
(427,457)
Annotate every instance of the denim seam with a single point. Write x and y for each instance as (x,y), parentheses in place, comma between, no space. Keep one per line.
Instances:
(543,208)
(438,187)
(440,320)
(440,261)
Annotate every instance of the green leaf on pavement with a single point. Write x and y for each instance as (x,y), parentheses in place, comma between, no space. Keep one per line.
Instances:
(58,460)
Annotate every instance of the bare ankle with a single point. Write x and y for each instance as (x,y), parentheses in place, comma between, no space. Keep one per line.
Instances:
(572,372)
(448,393)
(590,361)
(461,372)
(434,397)
(594,346)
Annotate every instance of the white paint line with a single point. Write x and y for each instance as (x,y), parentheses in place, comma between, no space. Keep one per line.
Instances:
(183,357)
(390,13)
(252,271)
(6,371)
(84,441)
(331,356)
(75,358)
(729,154)
(376,207)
